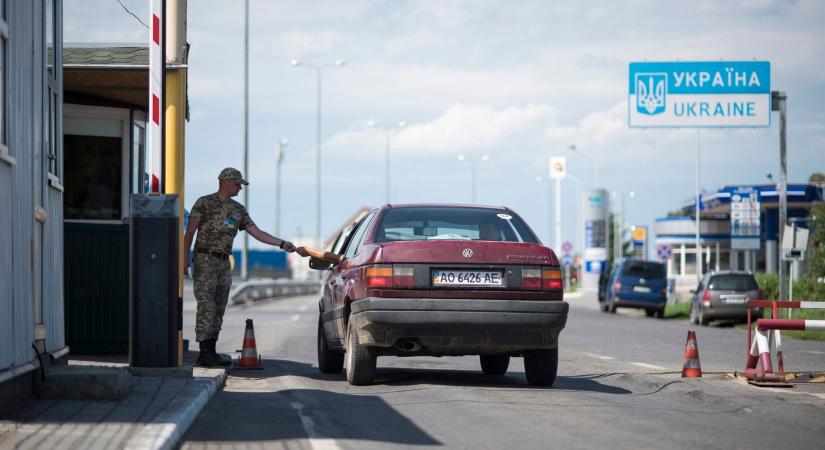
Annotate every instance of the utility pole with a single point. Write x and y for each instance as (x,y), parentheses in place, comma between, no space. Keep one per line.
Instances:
(778,103)
(245,254)
(698,207)
(557,244)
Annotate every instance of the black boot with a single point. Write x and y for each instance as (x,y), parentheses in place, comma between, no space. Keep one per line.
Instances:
(208,357)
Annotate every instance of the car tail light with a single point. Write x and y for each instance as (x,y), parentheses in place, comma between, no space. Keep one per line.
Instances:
(551,279)
(531,278)
(379,276)
(706,297)
(617,286)
(402,276)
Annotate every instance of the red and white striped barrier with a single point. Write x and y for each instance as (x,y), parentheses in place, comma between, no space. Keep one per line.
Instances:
(768,339)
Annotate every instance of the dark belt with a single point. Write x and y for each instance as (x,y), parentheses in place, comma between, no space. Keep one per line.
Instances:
(215,254)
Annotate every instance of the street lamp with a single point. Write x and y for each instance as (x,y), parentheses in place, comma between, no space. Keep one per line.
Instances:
(389,131)
(318,69)
(592,160)
(473,163)
(279,159)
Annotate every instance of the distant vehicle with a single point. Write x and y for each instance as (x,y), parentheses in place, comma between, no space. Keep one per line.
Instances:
(636,283)
(724,295)
(438,280)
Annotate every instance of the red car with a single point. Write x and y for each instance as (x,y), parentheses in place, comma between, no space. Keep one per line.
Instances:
(440,280)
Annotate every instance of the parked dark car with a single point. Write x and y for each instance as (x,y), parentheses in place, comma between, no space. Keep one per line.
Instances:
(440,280)
(724,295)
(636,283)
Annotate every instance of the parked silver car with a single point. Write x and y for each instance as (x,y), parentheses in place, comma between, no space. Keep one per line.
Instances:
(724,295)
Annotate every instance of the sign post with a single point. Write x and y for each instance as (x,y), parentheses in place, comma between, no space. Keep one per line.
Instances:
(744,220)
(558,172)
(708,94)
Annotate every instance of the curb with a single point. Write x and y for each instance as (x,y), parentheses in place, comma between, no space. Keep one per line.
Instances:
(171,424)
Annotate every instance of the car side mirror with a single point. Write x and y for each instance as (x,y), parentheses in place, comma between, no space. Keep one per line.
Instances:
(319,264)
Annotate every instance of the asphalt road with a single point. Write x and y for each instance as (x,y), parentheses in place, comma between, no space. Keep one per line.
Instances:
(619,386)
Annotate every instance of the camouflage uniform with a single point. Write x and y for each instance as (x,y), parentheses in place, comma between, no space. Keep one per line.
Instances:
(219,222)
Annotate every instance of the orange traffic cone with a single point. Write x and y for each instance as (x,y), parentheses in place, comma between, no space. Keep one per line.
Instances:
(250,360)
(692,367)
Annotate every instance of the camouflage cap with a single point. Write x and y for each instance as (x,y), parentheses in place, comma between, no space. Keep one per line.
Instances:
(230,173)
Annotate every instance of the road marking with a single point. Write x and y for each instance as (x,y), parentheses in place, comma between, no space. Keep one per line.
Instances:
(648,366)
(303,308)
(598,356)
(295,318)
(316,440)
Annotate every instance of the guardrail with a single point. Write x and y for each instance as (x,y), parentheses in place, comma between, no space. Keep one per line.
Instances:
(764,343)
(254,290)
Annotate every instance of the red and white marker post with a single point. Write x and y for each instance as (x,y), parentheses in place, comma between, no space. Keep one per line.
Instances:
(156,96)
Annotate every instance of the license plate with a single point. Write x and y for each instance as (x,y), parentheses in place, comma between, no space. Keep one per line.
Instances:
(467,278)
(642,289)
(735,300)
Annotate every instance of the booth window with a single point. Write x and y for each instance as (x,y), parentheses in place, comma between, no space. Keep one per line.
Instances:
(52,143)
(4,37)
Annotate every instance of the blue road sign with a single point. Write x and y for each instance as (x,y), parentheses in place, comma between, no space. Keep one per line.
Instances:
(700,94)
(664,252)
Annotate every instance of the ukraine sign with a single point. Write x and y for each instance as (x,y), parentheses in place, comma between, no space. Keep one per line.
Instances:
(700,94)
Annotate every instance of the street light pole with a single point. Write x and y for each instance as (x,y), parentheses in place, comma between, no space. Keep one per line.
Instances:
(279,158)
(388,137)
(245,254)
(318,69)
(593,162)
(779,100)
(473,162)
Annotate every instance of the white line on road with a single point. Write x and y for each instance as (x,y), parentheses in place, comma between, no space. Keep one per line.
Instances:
(316,440)
(598,356)
(648,366)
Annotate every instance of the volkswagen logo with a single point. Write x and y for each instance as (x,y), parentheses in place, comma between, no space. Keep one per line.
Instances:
(468,253)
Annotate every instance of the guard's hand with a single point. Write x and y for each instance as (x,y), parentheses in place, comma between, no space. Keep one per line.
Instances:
(289,247)
(302,251)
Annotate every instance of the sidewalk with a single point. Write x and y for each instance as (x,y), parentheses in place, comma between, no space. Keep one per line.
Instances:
(152,412)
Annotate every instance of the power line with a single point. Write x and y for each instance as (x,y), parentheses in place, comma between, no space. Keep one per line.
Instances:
(132,14)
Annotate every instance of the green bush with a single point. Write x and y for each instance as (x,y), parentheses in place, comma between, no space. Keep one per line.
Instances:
(769,282)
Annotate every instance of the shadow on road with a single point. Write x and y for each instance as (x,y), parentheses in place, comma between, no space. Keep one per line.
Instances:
(395,376)
(303,413)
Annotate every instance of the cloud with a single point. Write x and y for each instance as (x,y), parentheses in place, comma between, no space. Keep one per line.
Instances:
(461,127)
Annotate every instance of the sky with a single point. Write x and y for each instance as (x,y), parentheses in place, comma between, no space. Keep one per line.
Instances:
(516,81)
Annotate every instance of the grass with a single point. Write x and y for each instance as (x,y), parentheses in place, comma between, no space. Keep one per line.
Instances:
(680,310)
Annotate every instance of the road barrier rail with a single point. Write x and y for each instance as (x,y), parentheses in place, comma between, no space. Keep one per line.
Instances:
(767,340)
(255,290)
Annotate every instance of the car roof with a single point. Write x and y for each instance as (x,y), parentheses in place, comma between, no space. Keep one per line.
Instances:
(731,272)
(443,205)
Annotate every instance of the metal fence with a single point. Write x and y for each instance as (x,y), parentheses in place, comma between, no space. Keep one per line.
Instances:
(255,290)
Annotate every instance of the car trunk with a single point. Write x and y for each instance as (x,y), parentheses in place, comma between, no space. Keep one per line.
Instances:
(434,262)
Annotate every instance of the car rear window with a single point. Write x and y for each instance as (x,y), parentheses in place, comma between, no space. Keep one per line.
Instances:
(733,283)
(429,223)
(644,269)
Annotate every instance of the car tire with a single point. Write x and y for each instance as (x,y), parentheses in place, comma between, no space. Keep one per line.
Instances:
(660,313)
(361,360)
(649,312)
(603,306)
(611,307)
(494,364)
(329,360)
(540,366)
(701,318)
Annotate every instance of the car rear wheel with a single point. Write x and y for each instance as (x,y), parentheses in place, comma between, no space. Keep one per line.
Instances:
(660,313)
(329,360)
(540,366)
(494,364)
(361,360)
(612,306)
(650,312)
(694,317)
(603,306)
